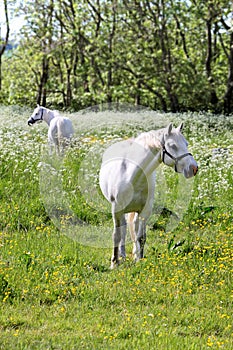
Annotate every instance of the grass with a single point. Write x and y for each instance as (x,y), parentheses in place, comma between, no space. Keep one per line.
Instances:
(56,288)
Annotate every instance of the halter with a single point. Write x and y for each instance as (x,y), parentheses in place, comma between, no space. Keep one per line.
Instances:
(176,159)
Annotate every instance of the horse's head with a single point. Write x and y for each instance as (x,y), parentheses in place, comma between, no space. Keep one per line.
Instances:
(37,115)
(175,152)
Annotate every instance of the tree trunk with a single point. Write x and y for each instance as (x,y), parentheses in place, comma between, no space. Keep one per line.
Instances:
(110,48)
(167,61)
(228,97)
(68,88)
(209,57)
(138,96)
(42,88)
(3,44)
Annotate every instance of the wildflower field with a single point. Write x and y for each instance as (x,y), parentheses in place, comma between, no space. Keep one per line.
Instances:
(56,288)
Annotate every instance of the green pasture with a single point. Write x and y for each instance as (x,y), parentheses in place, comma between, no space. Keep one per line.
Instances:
(56,288)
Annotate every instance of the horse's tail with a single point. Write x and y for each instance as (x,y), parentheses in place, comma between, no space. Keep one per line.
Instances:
(132,219)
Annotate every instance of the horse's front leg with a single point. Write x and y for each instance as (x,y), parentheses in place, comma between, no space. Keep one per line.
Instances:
(141,239)
(143,217)
(133,221)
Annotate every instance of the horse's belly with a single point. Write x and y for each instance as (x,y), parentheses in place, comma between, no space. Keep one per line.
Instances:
(125,197)
(137,203)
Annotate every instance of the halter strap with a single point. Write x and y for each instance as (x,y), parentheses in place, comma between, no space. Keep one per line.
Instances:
(42,114)
(176,159)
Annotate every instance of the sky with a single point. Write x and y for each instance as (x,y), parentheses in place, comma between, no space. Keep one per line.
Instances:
(16,23)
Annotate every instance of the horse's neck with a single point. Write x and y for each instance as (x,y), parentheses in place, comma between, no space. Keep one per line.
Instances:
(151,143)
(152,161)
(48,116)
(146,161)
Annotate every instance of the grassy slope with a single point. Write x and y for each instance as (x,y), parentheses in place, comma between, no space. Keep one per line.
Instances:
(58,294)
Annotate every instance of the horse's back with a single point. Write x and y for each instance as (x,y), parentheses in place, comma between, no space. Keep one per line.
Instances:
(117,150)
(61,126)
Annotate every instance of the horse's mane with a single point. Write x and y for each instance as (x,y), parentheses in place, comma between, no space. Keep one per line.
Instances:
(150,139)
(55,112)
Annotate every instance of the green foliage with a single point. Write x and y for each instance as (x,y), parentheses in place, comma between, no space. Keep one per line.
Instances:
(73,55)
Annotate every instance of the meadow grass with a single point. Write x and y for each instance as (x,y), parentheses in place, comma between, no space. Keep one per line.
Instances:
(56,288)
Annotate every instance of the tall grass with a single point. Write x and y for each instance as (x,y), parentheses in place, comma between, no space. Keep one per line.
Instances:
(56,289)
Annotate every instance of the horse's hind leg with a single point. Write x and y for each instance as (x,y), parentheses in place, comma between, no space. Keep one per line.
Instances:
(123,236)
(116,237)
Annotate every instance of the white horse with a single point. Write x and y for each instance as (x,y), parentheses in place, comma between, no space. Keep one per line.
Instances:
(127,180)
(60,128)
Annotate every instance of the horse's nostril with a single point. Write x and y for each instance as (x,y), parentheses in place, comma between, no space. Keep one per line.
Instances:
(195,169)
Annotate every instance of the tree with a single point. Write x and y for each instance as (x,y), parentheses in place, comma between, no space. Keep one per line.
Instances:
(38,42)
(228,51)
(172,55)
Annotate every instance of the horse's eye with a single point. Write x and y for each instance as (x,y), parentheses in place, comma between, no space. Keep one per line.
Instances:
(173,146)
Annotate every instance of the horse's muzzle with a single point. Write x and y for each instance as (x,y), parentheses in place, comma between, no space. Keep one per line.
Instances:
(31,121)
(190,171)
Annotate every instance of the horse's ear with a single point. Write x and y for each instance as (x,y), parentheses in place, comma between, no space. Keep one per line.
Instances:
(166,133)
(169,128)
(180,127)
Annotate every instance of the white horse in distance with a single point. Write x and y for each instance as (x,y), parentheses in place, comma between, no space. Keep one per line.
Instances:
(60,128)
(127,180)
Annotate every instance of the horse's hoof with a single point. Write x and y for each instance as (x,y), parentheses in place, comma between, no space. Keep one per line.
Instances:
(122,258)
(114,264)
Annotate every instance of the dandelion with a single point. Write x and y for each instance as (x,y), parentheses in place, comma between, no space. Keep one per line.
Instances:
(16,333)
(210,343)
(62,309)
